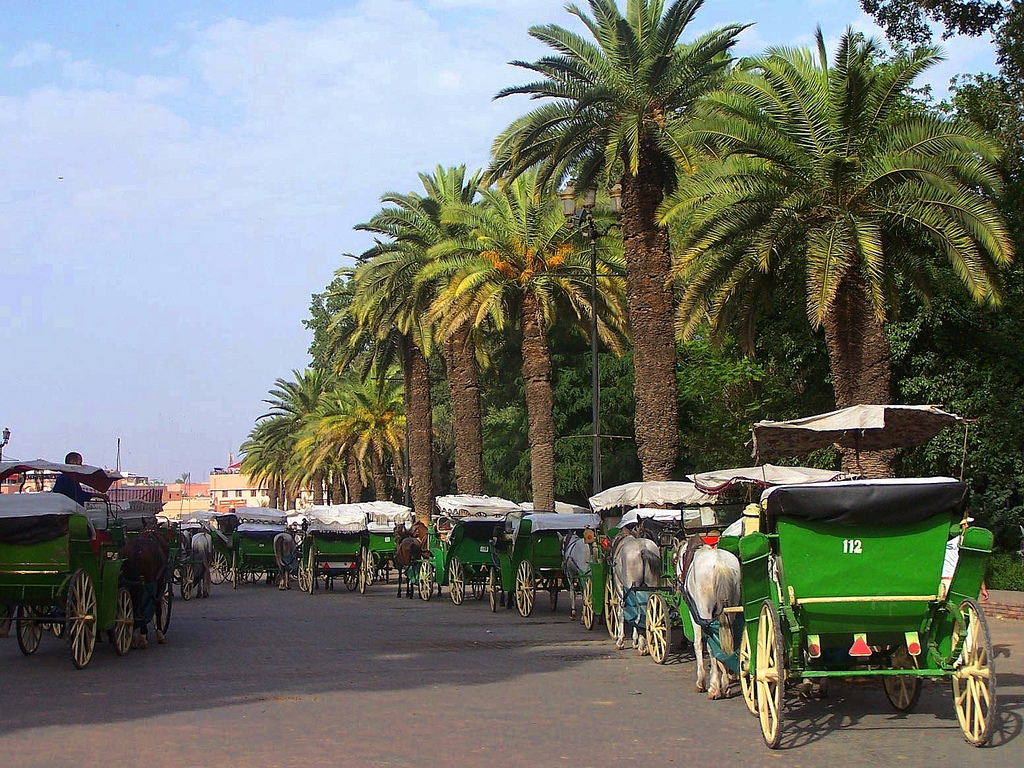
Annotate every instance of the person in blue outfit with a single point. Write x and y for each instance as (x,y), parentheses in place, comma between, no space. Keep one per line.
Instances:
(67,485)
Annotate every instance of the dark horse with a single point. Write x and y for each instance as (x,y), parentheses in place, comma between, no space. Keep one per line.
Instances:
(410,544)
(144,573)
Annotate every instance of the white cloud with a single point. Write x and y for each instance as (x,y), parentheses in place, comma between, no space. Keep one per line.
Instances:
(36,53)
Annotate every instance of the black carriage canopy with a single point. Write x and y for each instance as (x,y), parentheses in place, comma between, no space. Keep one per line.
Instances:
(890,501)
(94,477)
(30,518)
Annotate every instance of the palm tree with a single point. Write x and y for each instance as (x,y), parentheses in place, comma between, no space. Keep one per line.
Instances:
(520,263)
(828,171)
(615,103)
(269,452)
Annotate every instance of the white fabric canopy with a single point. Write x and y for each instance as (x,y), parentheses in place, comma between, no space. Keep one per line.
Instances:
(765,475)
(261,527)
(658,515)
(336,518)
(260,516)
(632,495)
(561,507)
(384,516)
(466,505)
(36,504)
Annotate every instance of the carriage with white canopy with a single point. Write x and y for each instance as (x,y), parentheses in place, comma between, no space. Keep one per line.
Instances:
(382,518)
(528,555)
(59,565)
(459,544)
(253,530)
(335,545)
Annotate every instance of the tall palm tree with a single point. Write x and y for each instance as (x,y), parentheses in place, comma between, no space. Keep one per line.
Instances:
(615,101)
(269,452)
(829,172)
(520,262)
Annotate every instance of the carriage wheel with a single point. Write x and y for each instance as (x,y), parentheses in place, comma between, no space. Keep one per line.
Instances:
(456,581)
(426,580)
(364,567)
(188,583)
(235,574)
(974,678)
(29,630)
(351,579)
(525,588)
(58,628)
(163,619)
(371,568)
(305,579)
(659,628)
(611,603)
(493,589)
(903,691)
(746,673)
(220,570)
(5,619)
(588,617)
(81,619)
(124,623)
(478,585)
(769,674)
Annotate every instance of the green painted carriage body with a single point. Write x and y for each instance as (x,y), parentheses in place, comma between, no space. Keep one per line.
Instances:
(334,552)
(253,555)
(38,575)
(832,581)
(470,542)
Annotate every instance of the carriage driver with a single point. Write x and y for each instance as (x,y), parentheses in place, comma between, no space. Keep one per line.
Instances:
(70,487)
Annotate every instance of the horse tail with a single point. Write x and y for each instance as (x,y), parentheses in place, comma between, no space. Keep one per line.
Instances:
(651,558)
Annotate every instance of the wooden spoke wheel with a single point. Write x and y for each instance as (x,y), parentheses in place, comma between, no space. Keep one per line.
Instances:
(29,630)
(456,581)
(310,571)
(124,623)
(426,581)
(903,691)
(478,586)
(305,578)
(6,614)
(162,617)
(81,618)
(747,673)
(974,678)
(219,569)
(364,571)
(769,674)
(588,617)
(372,566)
(611,604)
(58,627)
(188,582)
(493,589)
(236,573)
(351,578)
(659,628)
(525,588)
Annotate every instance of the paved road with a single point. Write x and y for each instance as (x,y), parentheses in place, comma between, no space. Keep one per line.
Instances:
(257,677)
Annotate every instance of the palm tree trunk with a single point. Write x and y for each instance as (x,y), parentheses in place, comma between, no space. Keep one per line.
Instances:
(337,485)
(318,488)
(651,315)
(380,477)
(540,403)
(353,478)
(859,359)
(464,385)
(418,419)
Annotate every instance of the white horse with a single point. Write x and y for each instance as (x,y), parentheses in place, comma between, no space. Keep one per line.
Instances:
(710,584)
(202,562)
(287,561)
(636,563)
(575,563)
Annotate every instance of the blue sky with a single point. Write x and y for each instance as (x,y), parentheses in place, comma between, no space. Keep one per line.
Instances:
(181,177)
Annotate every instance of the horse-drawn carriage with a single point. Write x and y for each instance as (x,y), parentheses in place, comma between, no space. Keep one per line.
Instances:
(528,556)
(382,518)
(60,567)
(459,545)
(844,580)
(252,531)
(335,545)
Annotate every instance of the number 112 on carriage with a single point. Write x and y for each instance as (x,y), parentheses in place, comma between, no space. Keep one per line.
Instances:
(852,547)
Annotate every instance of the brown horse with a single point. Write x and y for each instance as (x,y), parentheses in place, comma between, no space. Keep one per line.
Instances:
(410,544)
(144,573)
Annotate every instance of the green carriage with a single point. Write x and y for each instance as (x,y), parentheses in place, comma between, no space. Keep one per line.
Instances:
(59,566)
(845,580)
(126,520)
(528,557)
(335,545)
(382,518)
(459,546)
(252,542)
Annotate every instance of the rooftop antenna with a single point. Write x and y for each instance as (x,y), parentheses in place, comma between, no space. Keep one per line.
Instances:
(117,464)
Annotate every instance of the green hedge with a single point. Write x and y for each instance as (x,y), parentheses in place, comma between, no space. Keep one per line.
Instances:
(1004,571)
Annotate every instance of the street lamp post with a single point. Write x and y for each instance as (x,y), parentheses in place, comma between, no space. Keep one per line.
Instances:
(6,439)
(585,220)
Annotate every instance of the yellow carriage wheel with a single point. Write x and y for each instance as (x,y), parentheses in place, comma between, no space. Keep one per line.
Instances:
(611,604)
(81,618)
(456,581)
(658,627)
(769,674)
(525,588)
(588,617)
(974,678)
(747,673)
(124,623)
